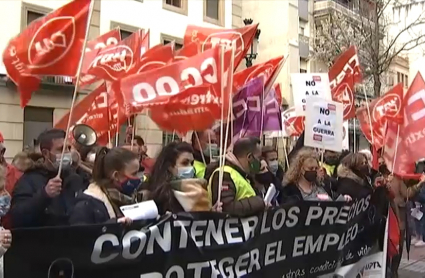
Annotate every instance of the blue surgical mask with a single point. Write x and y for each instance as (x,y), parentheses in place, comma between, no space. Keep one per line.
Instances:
(186,172)
(273,166)
(130,185)
(4,204)
(211,149)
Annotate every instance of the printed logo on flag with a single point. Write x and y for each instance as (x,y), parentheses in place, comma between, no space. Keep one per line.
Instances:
(114,60)
(57,45)
(389,105)
(229,39)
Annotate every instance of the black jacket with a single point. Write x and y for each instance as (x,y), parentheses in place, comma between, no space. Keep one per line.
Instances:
(291,193)
(241,208)
(89,210)
(32,207)
(351,184)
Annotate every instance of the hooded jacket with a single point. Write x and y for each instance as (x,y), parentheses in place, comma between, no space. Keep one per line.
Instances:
(352,184)
(32,207)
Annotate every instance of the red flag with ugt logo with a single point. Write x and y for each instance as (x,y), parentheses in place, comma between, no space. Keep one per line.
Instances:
(51,45)
(209,38)
(414,118)
(343,75)
(373,132)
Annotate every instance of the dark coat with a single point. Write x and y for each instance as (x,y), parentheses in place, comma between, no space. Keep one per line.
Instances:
(245,207)
(89,210)
(351,184)
(32,207)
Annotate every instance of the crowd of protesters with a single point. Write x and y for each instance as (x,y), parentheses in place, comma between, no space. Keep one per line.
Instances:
(96,181)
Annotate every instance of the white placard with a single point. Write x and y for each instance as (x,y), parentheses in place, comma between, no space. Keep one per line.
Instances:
(323,124)
(305,85)
(345,136)
(140,211)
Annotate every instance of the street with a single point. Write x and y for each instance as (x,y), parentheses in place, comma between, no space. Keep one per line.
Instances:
(415,266)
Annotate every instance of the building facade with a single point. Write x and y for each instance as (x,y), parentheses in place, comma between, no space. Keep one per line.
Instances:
(166,20)
(286,28)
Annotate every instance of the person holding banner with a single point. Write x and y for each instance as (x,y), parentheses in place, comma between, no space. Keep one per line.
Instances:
(238,193)
(41,197)
(172,183)
(115,184)
(301,181)
(204,144)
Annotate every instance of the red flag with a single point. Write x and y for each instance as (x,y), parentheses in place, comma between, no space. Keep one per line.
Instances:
(191,109)
(113,37)
(293,124)
(344,73)
(414,118)
(211,37)
(374,132)
(388,107)
(51,45)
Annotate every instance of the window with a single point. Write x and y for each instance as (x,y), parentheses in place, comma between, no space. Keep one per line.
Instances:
(30,13)
(125,30)
(391,80)
(406,81)
(303,71)
(168,137)
(125,34)
(301,30)
(36,120)
(399,77)
(214,12)
(177,6)
(178,43)
(32,16)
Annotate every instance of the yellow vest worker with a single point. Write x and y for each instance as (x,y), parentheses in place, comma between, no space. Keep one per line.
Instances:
(200,168)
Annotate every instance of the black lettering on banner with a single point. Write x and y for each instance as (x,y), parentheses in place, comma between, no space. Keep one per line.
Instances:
(305,239)
(310,83)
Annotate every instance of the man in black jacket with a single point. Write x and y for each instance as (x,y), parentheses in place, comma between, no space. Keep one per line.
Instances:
(40,198)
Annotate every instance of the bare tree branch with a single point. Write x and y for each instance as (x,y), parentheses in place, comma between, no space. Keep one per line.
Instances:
(381,30)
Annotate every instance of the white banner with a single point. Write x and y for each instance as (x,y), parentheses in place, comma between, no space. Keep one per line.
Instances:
(323,124)
(305,85)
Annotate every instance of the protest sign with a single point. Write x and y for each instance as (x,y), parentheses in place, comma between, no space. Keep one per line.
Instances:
(303,239)
(306,85)
(345,136)
(323,124)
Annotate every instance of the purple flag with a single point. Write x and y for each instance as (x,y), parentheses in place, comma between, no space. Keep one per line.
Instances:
(272,112)
(247,109)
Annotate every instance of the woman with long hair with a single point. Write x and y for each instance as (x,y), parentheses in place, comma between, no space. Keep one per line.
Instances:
(172,184)
(5,235)
(115,184)
(301,181)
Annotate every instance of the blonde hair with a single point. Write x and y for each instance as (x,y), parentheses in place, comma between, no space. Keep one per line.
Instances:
(294,172)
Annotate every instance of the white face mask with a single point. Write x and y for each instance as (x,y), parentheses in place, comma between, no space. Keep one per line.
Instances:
(91,157)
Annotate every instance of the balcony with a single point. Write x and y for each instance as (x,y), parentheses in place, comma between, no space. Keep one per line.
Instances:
(58,80)
(348,8)
(304,46)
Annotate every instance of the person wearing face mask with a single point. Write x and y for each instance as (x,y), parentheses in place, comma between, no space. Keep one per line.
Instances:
(115,184)
(204,144)
(301,181)
(238,193)
(353,176)
(270,156)
(172,183)
(41,198)
(330,162)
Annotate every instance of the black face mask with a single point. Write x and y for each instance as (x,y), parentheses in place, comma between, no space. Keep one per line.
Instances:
(310,176)
(383,169)
(331,160)
(364,170)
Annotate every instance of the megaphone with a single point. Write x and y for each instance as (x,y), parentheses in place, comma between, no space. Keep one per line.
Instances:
(84,135)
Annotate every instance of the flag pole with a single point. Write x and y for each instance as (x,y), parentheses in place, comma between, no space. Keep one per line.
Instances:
(74,95)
